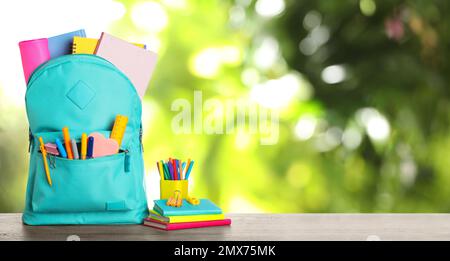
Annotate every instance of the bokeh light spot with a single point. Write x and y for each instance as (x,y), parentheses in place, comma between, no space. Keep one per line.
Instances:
(269,8)
(267,53)
(149,16)
(305,127)
(334,74)
(368,7)
(278,93)
(378,128)
(351,138)
(312,20)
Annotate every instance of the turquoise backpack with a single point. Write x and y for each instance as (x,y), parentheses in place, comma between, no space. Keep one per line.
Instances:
(84,93)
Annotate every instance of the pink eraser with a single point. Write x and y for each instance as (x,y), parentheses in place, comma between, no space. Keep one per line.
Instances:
(51,148)
(103,146)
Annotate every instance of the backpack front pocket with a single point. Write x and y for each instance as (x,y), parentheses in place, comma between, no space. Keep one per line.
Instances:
(92,185)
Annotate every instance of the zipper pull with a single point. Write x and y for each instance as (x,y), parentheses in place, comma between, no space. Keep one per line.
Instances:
(30,139)
(140,138)
(127,162)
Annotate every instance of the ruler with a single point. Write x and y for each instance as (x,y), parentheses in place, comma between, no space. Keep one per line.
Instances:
(119,128)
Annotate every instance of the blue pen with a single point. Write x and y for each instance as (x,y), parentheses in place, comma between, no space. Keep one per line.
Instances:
(189,169)
(90,148)
(61,149)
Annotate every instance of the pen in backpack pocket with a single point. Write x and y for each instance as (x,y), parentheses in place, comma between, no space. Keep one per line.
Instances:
(75,150)
(83,146)
(67,143)
(44,159)
(61,149)
(90,147)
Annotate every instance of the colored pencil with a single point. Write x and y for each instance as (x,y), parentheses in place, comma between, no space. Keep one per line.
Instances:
(174,170)
(183,167)
(189,169)
(166,171)
(170,170)
(161,172)
(187,166)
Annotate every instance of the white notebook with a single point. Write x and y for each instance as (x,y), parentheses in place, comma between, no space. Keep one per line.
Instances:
(136,63)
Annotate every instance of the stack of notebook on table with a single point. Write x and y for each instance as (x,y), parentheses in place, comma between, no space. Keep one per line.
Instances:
(205,214)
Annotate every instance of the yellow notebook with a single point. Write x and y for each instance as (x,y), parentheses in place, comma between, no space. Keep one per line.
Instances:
(88,45)
(181,219)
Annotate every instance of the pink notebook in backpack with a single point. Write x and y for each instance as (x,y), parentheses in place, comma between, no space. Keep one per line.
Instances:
(137,63)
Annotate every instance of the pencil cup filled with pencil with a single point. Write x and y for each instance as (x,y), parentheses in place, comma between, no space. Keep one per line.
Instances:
(174,175)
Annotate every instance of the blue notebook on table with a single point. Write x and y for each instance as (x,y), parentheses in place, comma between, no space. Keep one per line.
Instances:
(205,207)
(62,44)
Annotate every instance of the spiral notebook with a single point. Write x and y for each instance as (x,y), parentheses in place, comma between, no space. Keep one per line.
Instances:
(87,45)
(138,64)
(62,44)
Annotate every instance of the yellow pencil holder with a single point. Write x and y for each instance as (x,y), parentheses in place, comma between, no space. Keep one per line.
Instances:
(168,188)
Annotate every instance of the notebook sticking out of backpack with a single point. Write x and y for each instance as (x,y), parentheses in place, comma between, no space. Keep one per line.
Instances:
(87,45)
(137,63)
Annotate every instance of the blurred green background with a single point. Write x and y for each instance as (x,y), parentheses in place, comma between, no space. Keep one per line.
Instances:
(361,88)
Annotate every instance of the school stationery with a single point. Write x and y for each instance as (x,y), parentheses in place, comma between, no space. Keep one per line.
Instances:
(118,130)
(51,148)
(60,147)
(175,175)
(168,188)
(183,170)
(178,168)
(166,170)
(191,164)
(138,64)
(44,159)
(187,166)
(90,148)
(185,225)
(33,53)
(62,44)
(173,178)
(67,142)
(83,146)
(205,207)
(170,166)
(193,200)
(75,150)
(103,146)
(175,200)
(188,218)
(160,170)
(84,92)
(87,45)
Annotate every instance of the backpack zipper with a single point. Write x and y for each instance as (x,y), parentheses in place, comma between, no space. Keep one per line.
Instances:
(56,61)
(140,138)
(30,140)
(127,163)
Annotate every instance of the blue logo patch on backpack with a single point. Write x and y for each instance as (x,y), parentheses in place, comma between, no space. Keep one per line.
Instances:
(85,93)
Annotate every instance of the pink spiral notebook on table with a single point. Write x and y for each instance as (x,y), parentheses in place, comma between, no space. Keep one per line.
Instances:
(137,63)
(185,225)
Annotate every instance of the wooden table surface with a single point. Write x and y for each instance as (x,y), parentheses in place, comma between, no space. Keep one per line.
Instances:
(264,227)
